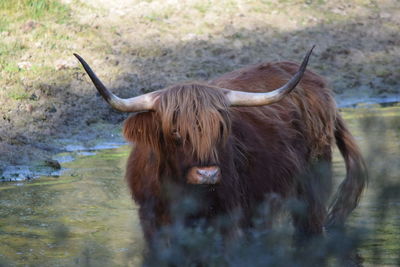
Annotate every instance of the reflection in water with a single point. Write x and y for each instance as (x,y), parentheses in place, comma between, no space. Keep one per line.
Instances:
(86,217)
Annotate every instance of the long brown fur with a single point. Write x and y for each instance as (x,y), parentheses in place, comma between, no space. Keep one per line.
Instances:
(276,149)
(197,113)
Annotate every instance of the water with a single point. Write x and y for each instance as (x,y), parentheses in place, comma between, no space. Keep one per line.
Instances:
(86,216)
(83,217)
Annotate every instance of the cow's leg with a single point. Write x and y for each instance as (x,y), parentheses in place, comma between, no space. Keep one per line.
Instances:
(148,221)
(313,193)
(152,218)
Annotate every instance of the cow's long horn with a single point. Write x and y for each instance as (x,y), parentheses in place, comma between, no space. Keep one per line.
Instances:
(248,99)
(139,103)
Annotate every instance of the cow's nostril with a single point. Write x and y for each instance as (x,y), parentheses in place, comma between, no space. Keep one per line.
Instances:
(204,175)
(209,173)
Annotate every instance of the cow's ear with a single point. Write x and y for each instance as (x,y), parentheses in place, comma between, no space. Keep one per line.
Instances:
(143,128)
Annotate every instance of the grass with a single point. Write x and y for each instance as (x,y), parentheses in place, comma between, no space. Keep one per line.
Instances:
(38,33)
(34,9)
(202,7)
(18,94)
(35,35)
(19,24)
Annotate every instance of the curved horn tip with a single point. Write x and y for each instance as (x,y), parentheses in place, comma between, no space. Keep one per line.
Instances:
(77,56)
(305,60)
(311,49)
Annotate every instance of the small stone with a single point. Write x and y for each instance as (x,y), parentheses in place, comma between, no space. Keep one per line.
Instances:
(33,97)
(24,65)
(38,44)
(53,164)
(29,108)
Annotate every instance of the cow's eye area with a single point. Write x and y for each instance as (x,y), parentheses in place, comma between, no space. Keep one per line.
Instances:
(177,137)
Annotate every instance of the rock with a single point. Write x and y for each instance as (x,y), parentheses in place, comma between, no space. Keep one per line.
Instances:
(38,44)
(24,65)
(52,163)
(29,108)
(33,97)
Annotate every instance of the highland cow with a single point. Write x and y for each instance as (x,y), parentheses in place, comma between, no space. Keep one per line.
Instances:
(239,139)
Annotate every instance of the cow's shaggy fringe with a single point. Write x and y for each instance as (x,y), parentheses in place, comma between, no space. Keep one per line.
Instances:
(197,114)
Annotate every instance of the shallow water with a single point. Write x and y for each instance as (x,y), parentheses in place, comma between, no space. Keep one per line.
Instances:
(86,216)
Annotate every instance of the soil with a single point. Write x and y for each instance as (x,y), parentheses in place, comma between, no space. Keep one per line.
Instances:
(140,46)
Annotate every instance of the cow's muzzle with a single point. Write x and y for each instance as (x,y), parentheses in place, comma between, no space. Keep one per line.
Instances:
(204,175)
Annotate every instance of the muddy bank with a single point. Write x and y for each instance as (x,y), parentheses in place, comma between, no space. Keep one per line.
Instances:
(32,160)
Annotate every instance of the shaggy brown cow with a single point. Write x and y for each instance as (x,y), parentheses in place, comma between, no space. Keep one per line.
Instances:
(240,141)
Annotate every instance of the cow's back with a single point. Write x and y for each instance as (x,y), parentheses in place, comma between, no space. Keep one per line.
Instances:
(310,107)
(266,77)
(286,136)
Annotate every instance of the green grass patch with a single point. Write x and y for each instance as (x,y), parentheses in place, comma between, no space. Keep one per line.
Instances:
(18,93)
(159,16)
(203,7)
(34,9)
(11,68)
(3,24)
(9,49)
